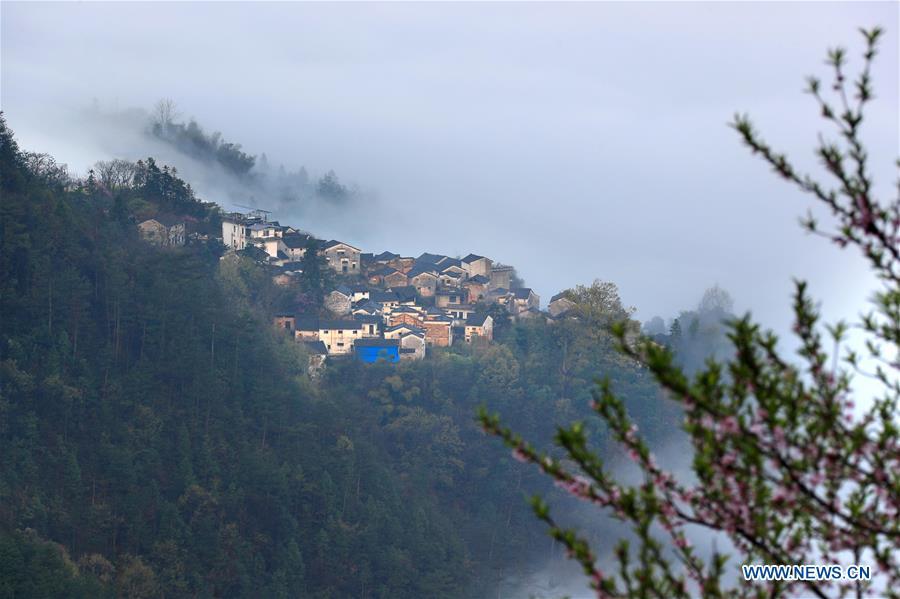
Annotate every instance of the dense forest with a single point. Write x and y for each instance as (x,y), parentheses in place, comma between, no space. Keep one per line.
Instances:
(158,438)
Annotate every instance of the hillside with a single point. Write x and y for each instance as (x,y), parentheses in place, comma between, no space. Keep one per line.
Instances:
(158,437)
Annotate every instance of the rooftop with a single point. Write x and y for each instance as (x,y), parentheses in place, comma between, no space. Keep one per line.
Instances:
(338,325)
(334,243)
(522,292)
(476,320)
(316,347)
(376,342)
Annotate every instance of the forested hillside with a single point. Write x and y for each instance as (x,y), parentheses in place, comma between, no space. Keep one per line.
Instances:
(159,438)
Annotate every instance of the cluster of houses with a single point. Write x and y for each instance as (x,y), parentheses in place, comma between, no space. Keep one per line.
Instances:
(387,306)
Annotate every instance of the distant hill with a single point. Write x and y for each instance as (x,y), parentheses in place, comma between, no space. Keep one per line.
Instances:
(159,438)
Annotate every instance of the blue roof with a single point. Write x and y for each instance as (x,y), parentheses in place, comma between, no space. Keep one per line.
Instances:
(373,350)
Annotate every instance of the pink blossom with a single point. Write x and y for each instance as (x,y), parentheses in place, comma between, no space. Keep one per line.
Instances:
(667,510)
(730,425)
(630,434)
(519,455)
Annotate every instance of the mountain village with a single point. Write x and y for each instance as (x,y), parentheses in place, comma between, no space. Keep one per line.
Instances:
(385,306)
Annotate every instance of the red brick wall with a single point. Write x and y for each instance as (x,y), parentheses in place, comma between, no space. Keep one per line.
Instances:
(437,333)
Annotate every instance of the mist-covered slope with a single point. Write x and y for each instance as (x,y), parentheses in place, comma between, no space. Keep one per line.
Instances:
(159,438)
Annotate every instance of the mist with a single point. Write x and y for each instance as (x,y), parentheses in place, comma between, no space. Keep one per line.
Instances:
(573,141)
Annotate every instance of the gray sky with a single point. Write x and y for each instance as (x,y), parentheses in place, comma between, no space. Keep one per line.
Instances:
(575,141)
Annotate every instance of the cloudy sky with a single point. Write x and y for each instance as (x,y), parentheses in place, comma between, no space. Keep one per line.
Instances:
(575,141)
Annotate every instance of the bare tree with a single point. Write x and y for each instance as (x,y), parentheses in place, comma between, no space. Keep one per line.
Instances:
(165,112)
(115,174)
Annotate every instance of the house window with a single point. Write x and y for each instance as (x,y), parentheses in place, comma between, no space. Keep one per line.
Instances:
(340,344)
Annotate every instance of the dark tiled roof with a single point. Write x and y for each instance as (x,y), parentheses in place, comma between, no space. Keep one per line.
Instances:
(328,325)
(420,269)
(479,279)
(296,241)
(307,323)
(522,292)
(383,296)
(427,258)
(386,256)
(476,320)
(369,305)
(405,293)
(253,252)
(365,318)
(316,347)
(561,295)
(472,258)
(383,271)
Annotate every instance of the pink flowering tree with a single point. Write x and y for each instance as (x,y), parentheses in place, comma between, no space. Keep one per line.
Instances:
(785,464)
